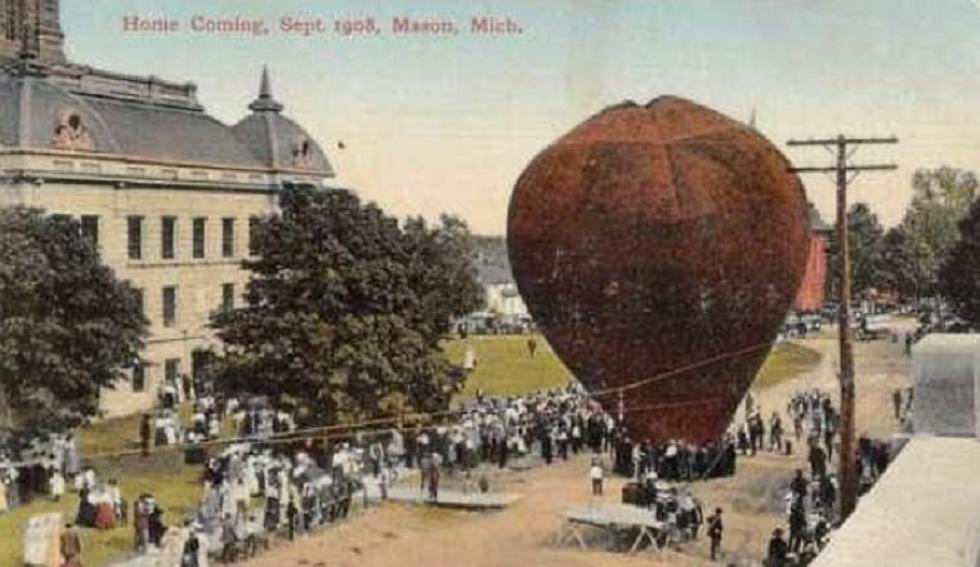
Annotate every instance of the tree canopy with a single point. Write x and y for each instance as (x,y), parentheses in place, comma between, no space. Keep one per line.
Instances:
(865,236)
(68,327)
(345,309)
(941,197)
(898,263)
(959,277)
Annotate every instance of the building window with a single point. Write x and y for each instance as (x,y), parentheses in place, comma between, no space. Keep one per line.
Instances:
(169,305)
(168,233)
(227,237)
(253,223)
(90,228)
(170,367)
(139,377)
(134,231)
(199,236)
(138,294)
(227,297)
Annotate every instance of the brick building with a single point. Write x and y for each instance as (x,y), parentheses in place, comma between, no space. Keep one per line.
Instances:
(811,294)
(167,191)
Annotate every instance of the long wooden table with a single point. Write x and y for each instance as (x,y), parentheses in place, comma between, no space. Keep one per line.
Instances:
(611,517)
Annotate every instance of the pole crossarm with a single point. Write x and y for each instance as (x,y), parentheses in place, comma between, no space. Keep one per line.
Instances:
(839,139)
(839,148)
(832,169)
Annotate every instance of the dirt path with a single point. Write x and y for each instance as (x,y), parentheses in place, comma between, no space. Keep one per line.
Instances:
(407,536)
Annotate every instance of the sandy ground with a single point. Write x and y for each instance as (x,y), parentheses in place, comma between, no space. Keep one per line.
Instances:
(409,536)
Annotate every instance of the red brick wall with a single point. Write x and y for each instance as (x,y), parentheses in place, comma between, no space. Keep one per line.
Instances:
(810,296)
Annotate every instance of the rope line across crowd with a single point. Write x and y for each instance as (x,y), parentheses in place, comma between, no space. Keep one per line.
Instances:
(680,370)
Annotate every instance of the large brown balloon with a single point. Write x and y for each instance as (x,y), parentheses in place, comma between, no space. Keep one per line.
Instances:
(659,248)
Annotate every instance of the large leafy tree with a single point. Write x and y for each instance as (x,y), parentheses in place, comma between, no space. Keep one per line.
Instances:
(941,197)
(865,236)
(959,277)
(68,327)
(442,272)
(345,309)
(898,263)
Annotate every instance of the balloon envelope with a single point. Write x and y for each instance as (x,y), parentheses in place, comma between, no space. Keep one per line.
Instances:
(658,248)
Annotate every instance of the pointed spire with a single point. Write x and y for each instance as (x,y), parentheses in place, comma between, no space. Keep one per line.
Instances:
(265,102)
(265,91)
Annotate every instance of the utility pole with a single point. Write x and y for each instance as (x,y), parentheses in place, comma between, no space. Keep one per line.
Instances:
(848,478)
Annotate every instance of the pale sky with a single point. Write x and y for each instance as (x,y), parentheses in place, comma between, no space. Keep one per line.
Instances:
(446,124)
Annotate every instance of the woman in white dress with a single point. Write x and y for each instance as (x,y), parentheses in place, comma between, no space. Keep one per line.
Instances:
(56,484)
(3,491)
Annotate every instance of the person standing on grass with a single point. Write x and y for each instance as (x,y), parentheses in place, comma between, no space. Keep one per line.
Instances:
(715,531)
(71,546)
(532,347)
(595,474)
(145,432)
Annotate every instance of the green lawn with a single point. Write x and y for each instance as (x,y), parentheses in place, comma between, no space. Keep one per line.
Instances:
(176,487)
(504,366)
(784,362)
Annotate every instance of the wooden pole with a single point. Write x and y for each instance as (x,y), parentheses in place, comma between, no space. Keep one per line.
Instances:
(847,459)
(847,466)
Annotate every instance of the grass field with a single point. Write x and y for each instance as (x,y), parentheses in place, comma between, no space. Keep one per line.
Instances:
(175,486)
(784,362)
(505,367)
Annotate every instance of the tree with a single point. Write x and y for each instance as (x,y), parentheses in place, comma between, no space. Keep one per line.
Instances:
(444,274)
(898,263)
(865,236)
(68,327)
(959,277)
(345,309)
(941,197)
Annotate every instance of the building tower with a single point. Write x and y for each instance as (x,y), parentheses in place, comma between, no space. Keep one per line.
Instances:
(34,24)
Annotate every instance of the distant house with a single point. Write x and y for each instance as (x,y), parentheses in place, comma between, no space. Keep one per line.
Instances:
(505,310)
(810,297)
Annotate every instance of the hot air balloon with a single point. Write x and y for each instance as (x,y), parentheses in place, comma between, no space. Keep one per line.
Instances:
(658,248)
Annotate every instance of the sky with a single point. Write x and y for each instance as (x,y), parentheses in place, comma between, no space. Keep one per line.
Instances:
(434,124)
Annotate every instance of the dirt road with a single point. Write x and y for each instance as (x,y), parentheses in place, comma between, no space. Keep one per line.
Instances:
(406,536)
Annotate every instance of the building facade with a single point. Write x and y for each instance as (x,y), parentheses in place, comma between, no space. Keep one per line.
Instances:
(810,297)
(167,191)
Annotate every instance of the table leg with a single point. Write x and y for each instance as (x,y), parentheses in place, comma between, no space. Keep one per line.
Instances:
(579,539)
(645,534)
(639,539)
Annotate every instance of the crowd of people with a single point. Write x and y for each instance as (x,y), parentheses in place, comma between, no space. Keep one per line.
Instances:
(676,460)
(40,466)
(302,487)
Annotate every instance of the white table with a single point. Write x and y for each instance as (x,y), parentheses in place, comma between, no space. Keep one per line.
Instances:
(611,517)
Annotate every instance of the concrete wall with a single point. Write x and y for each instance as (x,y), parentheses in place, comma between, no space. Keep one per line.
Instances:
(946,368)
(923,512)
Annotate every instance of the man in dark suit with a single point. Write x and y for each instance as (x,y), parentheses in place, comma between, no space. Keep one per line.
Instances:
(778,550)
(715,531)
